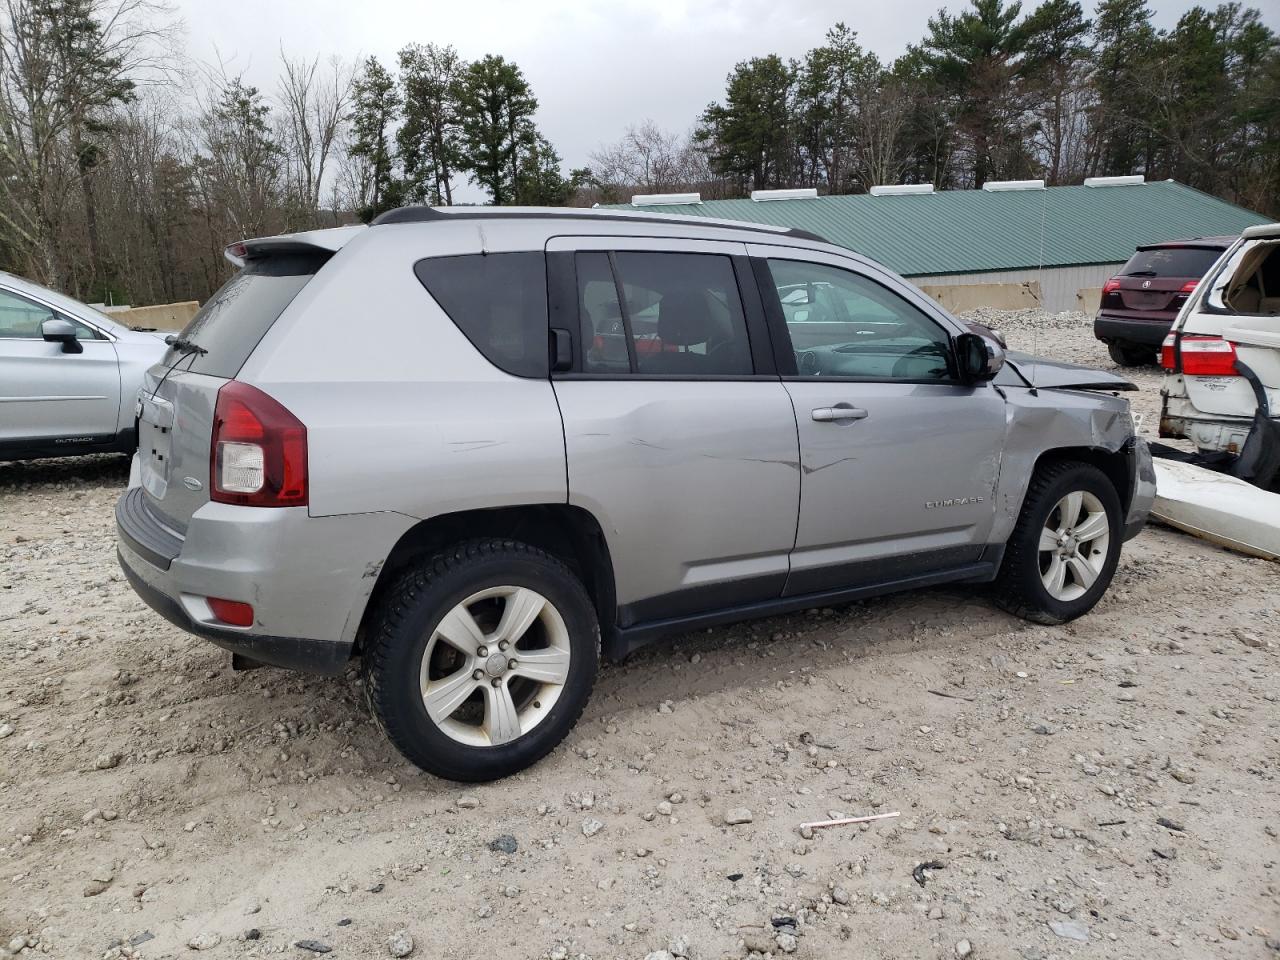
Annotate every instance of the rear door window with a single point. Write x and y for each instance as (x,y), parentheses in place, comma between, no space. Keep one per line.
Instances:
(499,301)
(233,321)
(1170,262)
(679,314)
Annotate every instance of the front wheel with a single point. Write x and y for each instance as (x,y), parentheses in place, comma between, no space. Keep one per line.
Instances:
(481,660)
(1063,552)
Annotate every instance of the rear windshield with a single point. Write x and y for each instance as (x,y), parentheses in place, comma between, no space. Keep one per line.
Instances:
(238,316)
(1171,262)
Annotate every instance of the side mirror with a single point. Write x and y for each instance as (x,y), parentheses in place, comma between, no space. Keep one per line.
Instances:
(63,332)
(978,358)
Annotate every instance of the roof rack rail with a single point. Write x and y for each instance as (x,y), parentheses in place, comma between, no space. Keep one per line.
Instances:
(420,214)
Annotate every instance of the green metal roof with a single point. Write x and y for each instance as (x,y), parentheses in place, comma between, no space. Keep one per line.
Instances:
(970,231)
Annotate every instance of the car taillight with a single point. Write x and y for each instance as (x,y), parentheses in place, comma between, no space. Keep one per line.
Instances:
(1168,352)
(1189,286)
(258,457)
(231,611)
(1208,357)
(1111,286)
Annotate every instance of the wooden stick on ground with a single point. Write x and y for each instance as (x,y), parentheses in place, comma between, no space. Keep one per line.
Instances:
(819,824)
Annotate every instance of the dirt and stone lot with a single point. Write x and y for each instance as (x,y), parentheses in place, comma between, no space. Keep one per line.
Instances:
(1104,789)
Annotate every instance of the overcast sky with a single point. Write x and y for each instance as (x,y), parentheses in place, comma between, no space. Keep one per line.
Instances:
(595,67)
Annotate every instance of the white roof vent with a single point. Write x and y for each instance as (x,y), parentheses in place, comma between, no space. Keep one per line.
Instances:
(804,193)
(893,190)
(999,186)
(664,199)
(1136,180)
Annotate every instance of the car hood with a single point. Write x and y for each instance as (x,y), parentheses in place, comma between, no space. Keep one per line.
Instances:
(1056,375)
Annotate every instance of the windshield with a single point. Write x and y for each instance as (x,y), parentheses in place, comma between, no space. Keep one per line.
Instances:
(1170,262)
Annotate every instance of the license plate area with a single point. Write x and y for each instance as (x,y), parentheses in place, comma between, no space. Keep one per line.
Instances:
(155,440)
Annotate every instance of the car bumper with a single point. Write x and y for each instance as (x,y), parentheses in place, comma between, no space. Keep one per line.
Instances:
(1150,332)
(308,579)
(1142,493)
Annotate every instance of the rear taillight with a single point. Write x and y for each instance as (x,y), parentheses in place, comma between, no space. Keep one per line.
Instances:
(1111,286)
(1189,286)
(259,453)
(1168,352)
(1208,357)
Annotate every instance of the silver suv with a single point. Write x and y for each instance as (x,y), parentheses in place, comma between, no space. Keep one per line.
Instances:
(483,448)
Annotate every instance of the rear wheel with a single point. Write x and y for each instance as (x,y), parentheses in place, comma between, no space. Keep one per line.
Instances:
(1063,552)
(481,660)
(1129,355)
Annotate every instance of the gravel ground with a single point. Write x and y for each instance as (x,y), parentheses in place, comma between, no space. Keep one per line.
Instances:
(1103,789)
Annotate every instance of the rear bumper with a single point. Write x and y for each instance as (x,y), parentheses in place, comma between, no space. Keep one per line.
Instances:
(1142,494)
(307,578)
(1147,332)
(292,653)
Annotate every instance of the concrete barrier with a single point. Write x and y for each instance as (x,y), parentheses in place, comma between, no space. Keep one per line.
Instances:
(958,297)
(1088,298)
(165,316)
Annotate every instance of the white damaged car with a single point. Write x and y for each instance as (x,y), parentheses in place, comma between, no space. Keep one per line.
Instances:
(1222,360)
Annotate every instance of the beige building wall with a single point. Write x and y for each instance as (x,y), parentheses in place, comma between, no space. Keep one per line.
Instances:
(165,316)
(1059,286)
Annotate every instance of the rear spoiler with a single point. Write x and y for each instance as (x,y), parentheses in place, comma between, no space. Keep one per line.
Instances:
(310,241)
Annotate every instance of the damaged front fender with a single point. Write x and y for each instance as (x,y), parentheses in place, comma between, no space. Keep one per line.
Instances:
(1042,423)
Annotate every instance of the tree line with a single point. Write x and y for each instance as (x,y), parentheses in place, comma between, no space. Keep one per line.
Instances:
(125,169)
(990,93)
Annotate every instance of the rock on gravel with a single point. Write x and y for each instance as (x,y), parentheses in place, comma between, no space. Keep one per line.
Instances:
(400,944)
(737,815)
(591,826)
(204,941)
(504,843)
(1070,930)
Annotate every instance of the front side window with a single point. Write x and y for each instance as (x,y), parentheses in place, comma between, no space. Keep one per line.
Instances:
(661,314)
(843,324)
(499,300)
(22,319)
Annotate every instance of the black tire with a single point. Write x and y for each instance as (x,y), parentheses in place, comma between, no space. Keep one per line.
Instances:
(408,615)
(1019,587)
(1129,355)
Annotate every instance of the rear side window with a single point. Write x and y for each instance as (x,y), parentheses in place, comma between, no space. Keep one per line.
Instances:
(233,321)
(680,315)
(499,301)
(1171,262)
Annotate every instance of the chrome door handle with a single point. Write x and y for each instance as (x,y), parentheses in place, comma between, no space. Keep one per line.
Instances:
(841,411)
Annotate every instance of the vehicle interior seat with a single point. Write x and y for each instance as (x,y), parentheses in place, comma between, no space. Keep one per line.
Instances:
(684,322)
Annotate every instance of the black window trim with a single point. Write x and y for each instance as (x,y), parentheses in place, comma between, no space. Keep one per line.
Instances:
(784,352)
(564,311)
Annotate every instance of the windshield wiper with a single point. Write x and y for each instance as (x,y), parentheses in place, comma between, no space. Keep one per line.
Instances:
(1140,273)
(184,346)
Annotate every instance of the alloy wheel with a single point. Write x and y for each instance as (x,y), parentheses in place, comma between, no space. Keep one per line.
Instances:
(495,666)
(1074,545)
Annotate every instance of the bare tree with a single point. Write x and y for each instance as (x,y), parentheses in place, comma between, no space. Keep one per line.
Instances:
(63,66)
(313,106)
